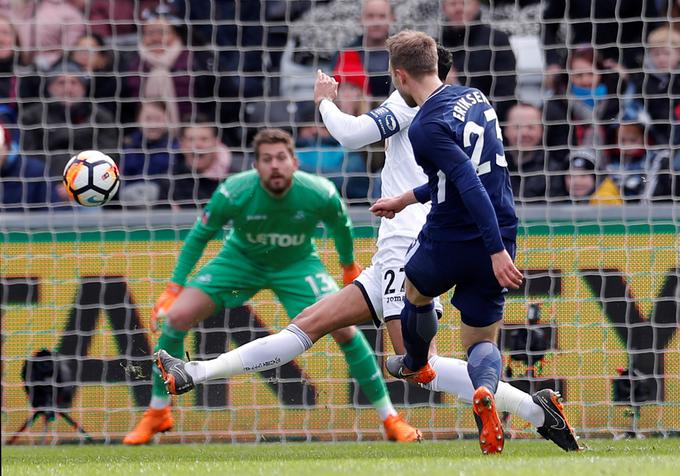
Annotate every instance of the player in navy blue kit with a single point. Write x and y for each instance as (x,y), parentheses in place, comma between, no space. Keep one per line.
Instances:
(468,240)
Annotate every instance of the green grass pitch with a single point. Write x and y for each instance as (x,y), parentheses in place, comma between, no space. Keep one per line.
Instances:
(521,457)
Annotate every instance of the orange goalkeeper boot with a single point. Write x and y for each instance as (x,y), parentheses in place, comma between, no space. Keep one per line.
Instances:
(154,421)
(397,429)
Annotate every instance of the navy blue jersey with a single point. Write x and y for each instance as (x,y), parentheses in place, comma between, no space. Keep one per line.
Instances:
(457,141)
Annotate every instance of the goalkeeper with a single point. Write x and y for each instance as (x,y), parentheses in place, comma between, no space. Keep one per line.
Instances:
(274,211)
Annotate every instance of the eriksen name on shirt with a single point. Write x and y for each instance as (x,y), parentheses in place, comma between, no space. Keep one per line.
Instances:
(461,107)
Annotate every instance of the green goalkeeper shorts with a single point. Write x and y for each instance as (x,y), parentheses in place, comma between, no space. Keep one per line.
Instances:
(230,279)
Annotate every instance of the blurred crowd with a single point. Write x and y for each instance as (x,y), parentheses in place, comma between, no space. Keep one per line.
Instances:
(174,91)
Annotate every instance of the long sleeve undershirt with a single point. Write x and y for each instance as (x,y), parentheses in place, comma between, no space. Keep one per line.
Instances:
(352,132)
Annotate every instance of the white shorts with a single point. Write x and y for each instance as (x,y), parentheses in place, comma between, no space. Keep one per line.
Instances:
(382,283)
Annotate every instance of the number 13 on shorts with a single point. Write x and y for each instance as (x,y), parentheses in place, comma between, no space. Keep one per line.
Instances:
(321,284)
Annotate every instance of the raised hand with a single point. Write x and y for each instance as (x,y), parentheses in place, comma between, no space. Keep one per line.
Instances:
(325,87)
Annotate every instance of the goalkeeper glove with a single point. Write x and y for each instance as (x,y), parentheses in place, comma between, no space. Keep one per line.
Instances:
(350,272)
(164,303)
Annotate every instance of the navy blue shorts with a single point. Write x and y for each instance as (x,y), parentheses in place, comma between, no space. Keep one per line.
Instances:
(434,267)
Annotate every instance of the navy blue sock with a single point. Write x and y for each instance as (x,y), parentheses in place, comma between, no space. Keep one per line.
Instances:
(418,326)
(484,365)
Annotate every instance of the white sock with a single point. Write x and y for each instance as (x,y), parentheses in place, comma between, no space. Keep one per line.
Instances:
(261,354)
(385,408)
(516,402)
(452,377)
(158,403)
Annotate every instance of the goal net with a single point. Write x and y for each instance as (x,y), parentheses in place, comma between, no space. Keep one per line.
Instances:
(596,319)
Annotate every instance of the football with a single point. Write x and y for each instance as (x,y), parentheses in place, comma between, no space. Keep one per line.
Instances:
(91,178)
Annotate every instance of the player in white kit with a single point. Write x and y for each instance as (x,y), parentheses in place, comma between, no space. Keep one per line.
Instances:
(378,292)
(382,282)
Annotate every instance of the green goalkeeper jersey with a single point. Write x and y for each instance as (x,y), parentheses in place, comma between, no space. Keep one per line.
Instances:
(271,231)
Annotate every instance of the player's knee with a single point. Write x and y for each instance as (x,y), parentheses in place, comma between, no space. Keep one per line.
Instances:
(470,339)
(414,296)
(344,335)
(471,335)
(311,324)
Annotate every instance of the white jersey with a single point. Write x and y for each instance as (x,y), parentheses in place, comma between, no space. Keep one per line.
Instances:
(390,122)
(400,172)
(382,283)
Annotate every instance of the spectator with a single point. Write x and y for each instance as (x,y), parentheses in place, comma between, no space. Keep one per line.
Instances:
(534,178)
(514,3)
(91,54)
(202,163)
(353,87)
(239,36)
(580,182)
(23,185)
(282,12)
(583,108)
(9,44)
(17,82)
(56,130)
(367,56)
(242,55)
(656,88)
(164,68)
(615,28)
(640,172)
(47,28)
(148,154)
(319,153)
(119,18)
(482,56)
(670,10)
(148,151)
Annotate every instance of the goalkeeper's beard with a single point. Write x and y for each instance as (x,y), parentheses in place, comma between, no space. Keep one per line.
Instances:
(278,185)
